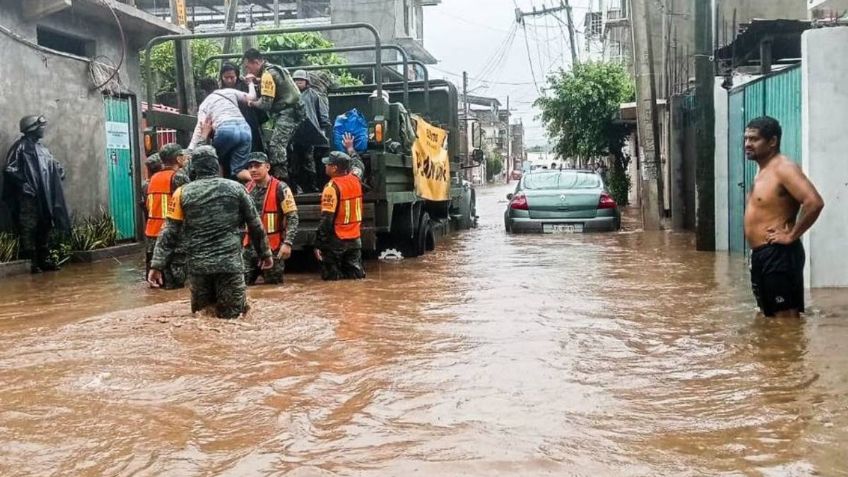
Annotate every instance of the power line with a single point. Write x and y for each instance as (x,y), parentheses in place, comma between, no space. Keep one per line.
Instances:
(530,60)
(500,55)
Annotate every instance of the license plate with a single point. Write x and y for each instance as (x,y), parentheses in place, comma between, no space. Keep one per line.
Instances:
(562,228)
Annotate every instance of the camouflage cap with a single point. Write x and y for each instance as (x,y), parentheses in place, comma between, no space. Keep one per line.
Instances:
(337,158)
(204,162)
(170,152)
(153,162)
(257,156)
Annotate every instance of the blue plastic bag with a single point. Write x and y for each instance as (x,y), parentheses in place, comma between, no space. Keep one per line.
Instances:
(352,122)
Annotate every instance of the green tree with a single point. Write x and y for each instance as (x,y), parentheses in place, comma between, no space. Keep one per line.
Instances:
(163,63)
(163,59)
(306,41)
(578,110)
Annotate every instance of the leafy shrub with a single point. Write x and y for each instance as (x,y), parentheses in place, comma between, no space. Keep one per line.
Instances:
(94,233)
(8,247)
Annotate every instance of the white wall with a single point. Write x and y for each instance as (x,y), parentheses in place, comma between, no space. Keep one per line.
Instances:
(826,7)
(722,208)
(825,114)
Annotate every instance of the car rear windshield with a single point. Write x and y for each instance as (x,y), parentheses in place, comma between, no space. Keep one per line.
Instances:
(562,180)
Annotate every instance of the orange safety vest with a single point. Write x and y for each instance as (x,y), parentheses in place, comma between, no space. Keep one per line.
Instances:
(349,208)
(273,221)
(158,195)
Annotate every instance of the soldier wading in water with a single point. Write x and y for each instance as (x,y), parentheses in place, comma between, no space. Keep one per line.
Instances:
(206,215)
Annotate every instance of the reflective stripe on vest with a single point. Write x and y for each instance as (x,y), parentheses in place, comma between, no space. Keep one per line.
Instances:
(273,221)
(158,196)
(349,208)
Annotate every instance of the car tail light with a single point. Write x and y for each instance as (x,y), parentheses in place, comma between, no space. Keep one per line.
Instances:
(606,202)
(519,202)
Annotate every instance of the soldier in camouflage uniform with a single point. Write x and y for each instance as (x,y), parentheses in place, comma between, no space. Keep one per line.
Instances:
(278,211)
(338,243)
(170,158)
(207,215)
(280,98)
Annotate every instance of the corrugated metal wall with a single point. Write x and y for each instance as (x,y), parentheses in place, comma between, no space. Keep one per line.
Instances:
(778,96)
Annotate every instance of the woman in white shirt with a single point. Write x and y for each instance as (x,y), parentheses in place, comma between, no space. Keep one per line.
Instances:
(232,140)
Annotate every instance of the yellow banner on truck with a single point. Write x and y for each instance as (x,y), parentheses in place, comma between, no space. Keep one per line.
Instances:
(430,161)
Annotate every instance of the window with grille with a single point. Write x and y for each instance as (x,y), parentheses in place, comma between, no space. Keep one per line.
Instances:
(616,9)
(594,24)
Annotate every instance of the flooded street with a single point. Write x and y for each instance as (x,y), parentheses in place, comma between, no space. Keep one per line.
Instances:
(625,354)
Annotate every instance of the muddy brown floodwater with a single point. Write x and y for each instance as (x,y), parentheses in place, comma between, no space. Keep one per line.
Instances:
(622,354)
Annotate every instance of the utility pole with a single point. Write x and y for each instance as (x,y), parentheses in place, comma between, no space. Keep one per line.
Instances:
(651,176)
(507,168)
(469,137)
(563,6)
(705,121)
(571,41)
(186,98)
(230,22)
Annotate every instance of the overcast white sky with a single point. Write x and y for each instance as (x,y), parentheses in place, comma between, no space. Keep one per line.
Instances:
(470,35)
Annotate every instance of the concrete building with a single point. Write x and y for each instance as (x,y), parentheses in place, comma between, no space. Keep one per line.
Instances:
(824,115)
(671,28)
(61,60)
(809,100)
(827,8)
(400,22)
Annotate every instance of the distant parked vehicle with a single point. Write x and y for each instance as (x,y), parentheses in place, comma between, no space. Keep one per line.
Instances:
(516,175)
(568,201)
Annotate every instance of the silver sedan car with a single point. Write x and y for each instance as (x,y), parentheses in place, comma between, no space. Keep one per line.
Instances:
(561,201)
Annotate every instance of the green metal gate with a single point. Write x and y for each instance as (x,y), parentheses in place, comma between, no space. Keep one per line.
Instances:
(736,170)
(778,96)
(119,157)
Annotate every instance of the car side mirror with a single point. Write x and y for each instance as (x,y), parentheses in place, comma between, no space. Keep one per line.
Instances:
(509,196)
(478,156)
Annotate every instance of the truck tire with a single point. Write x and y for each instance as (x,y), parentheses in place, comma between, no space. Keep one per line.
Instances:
(422,241)
(428,233)
(468,218)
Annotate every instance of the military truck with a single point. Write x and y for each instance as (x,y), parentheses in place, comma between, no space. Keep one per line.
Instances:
(396,214)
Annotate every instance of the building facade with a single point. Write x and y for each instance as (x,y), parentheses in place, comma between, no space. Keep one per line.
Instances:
(79,67)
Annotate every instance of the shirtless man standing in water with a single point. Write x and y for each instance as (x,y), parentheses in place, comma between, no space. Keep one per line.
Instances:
(782,205)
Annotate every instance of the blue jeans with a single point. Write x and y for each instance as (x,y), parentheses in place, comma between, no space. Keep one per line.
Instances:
(232,142)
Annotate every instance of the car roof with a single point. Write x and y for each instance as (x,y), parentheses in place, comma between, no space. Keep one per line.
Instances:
(551,171)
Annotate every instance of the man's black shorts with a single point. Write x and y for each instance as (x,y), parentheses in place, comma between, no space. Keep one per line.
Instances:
(777,277)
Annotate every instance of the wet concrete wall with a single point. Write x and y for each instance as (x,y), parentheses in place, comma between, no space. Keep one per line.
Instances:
(722,210)
(825,113)
(386,16)
(38,82)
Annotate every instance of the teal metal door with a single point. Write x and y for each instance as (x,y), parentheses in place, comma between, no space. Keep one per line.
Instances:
(119,155)
(736,163)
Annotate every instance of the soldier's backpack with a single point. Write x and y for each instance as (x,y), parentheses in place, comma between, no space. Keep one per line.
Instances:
(290,94)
